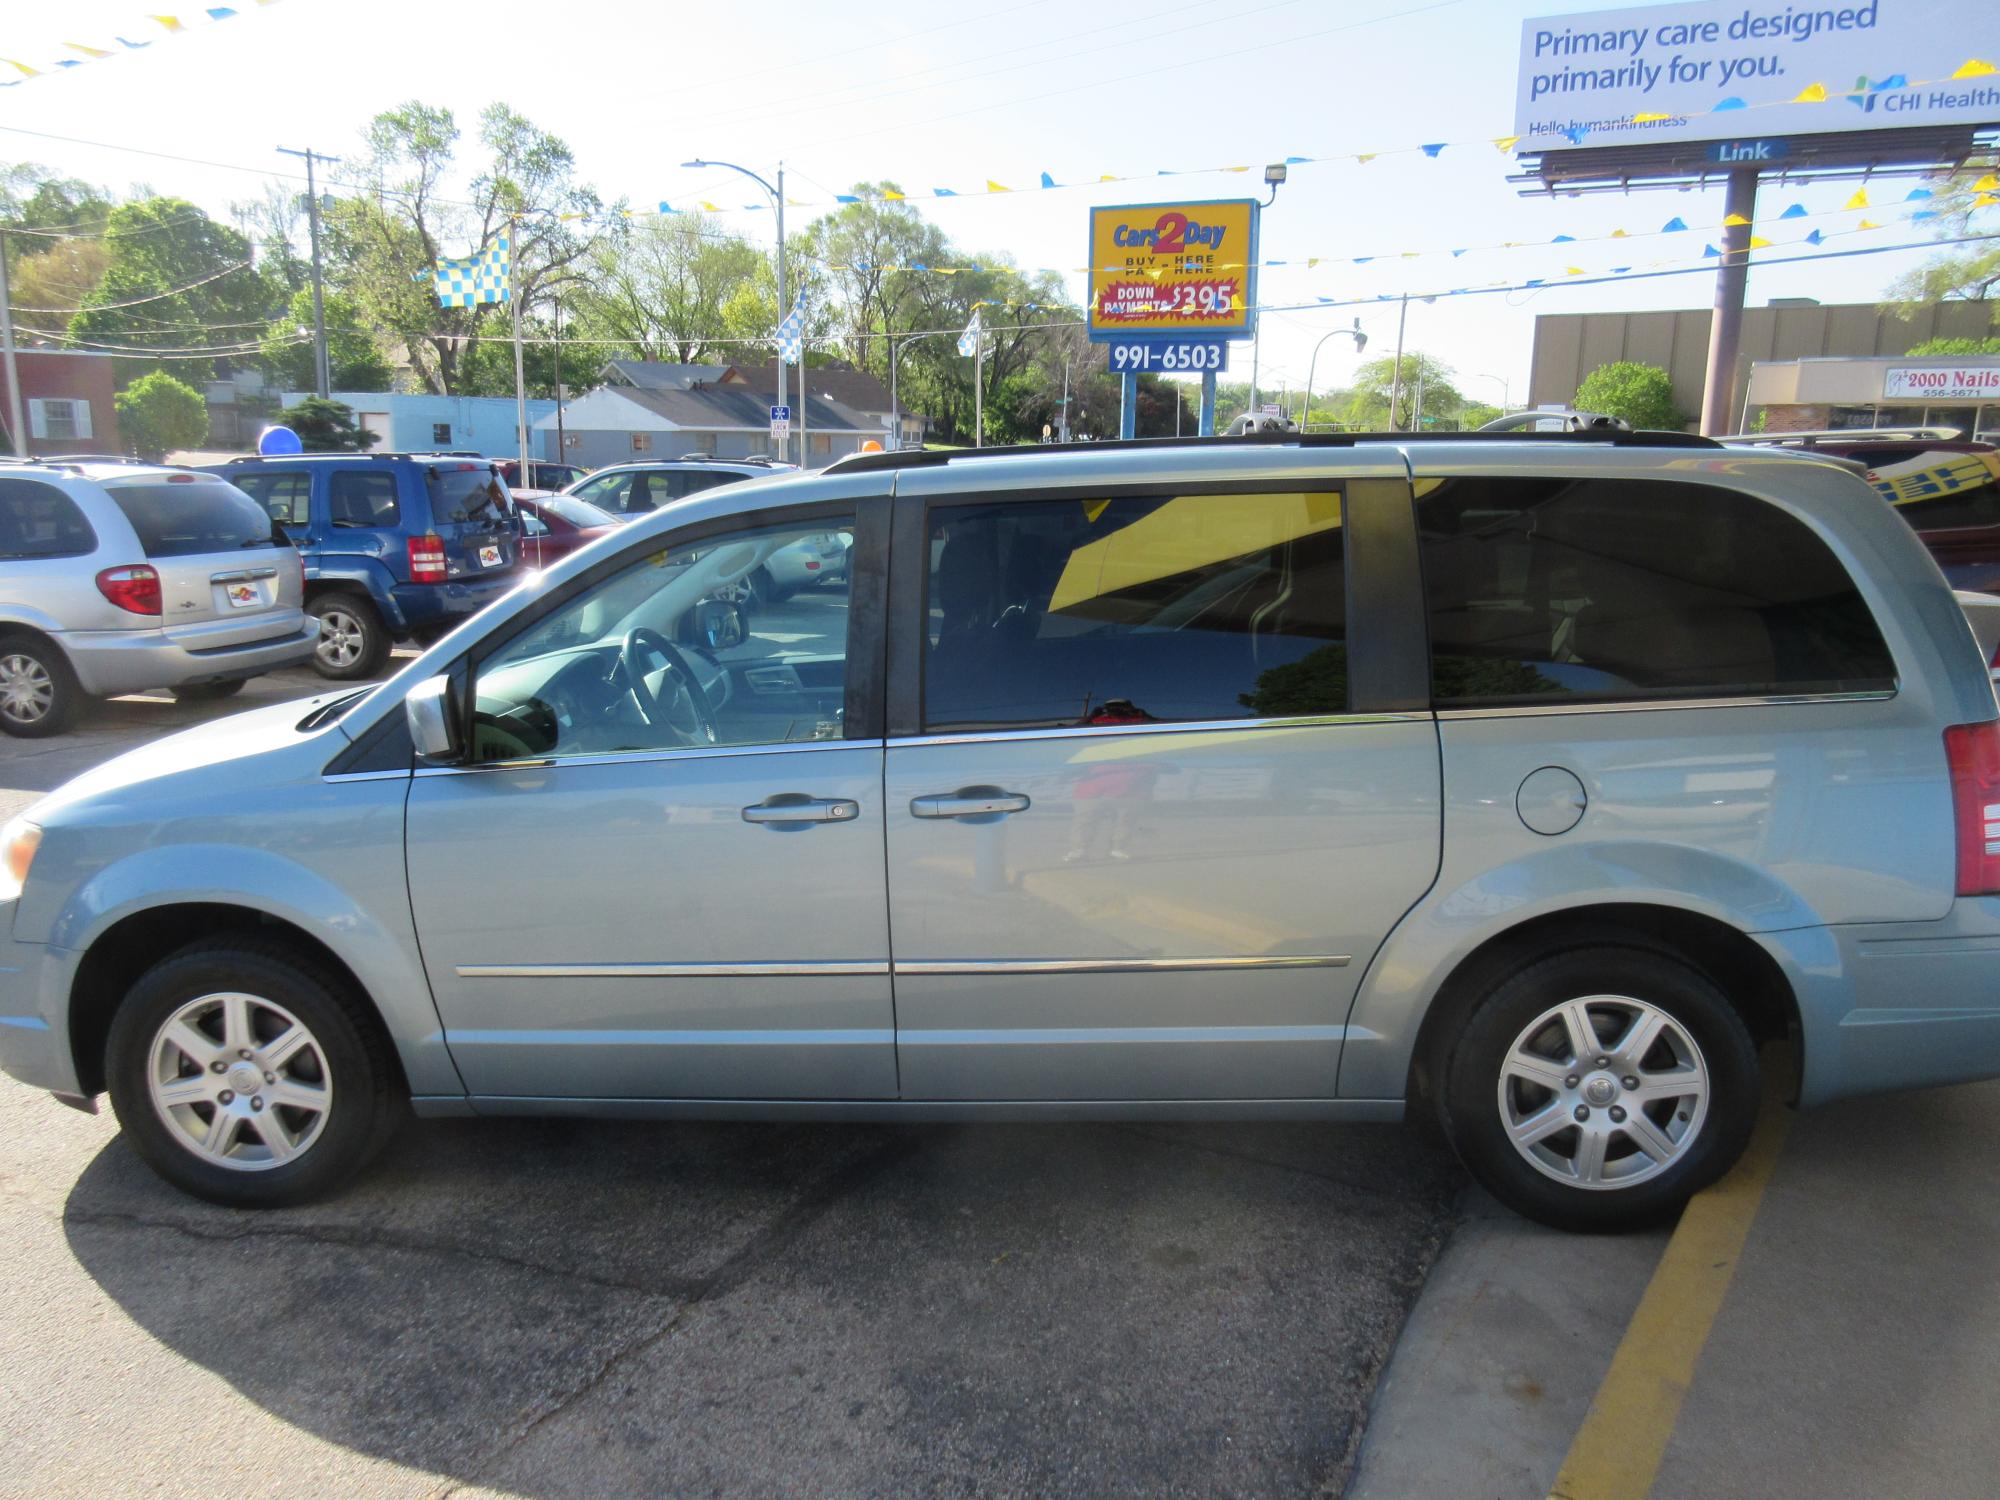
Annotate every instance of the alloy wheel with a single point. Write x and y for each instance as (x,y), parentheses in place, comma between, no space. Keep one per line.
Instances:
(342,637)
(240,1081)
(1603,1092)
(27,691)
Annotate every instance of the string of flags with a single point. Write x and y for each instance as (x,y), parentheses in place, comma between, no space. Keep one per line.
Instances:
(1817,93)
(143,32)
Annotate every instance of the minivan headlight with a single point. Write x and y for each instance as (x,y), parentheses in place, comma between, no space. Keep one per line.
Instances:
(18,842)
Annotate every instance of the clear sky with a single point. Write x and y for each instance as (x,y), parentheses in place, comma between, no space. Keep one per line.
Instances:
(948,95)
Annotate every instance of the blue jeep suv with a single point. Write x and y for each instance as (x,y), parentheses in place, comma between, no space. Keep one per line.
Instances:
(396,546)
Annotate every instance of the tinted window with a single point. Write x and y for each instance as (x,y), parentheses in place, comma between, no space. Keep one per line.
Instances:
(1133,610)
(578,512)
(286,498)
(364,500)
(465,492)
(1602,589)
(39,520)
(180,519)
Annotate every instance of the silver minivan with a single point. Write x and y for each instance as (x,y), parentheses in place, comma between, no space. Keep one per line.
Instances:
(1537,781)
(117,577)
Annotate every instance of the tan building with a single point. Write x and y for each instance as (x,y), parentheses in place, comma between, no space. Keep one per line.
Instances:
(1568,346)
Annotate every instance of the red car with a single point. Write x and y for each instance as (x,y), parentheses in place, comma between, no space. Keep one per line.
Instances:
(553,526)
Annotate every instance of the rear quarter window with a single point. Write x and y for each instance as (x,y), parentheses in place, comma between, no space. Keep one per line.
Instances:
(465,492)
(183,518)
(38,520)
(1619,590)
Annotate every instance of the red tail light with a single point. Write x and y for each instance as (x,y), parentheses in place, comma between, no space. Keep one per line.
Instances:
(426,559)
(136,588)
(1973,752)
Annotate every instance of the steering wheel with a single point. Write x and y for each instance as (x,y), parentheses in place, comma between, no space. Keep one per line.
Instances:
(641,641)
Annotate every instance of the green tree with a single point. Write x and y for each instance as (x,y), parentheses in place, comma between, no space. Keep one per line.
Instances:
(668,288)
(1422,376)
(384,241)
(1971,274)
(1638,393)
(49,286)
(327,427)
(353,359)
(1947,347)
(158,414)
(176,283)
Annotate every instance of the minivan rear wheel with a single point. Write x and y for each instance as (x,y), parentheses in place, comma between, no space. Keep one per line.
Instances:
(353,642)
(1599,1088)
(39,694)
(243,1074)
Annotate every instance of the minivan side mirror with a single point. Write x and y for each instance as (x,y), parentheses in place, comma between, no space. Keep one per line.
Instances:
(433,726)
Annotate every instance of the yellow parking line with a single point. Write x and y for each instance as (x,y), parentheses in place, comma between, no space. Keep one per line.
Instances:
(1617,1451)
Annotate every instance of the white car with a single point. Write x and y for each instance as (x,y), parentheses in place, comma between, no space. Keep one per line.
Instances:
(117,577)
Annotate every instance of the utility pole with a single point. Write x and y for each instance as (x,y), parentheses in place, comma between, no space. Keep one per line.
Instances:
(562,445)
(1396,375)
(322,373)
(1725,333)
(17,430)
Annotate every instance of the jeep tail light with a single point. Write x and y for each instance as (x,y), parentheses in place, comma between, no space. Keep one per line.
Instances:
(1973,752)
(136,588)
(426,559)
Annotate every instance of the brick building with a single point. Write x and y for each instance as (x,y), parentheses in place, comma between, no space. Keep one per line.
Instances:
(67,400)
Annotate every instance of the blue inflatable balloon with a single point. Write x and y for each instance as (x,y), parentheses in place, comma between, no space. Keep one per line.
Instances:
(278,440)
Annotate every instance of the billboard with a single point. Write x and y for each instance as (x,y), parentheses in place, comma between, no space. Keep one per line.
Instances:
(1670,73)
(1178,271)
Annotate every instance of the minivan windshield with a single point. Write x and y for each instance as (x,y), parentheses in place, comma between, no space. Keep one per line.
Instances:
(182,517)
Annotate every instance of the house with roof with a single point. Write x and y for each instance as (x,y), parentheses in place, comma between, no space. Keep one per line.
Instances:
(652,410)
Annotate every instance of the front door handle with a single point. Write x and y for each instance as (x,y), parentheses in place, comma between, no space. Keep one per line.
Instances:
(792,809)
(969,802)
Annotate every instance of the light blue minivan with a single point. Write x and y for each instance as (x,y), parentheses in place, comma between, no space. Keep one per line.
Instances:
(1533,780)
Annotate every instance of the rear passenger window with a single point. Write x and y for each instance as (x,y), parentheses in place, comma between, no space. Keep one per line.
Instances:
(1135,610)
(39,520)
(367,500)
(1633,589)
(286,498)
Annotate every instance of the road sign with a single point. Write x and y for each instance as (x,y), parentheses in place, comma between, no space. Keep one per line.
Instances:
(1169,356)
(781,421)
(1185,269)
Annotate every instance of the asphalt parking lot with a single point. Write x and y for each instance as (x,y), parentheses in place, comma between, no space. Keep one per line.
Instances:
(587,1308)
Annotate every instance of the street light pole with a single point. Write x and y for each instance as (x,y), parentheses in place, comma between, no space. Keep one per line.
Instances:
(322,371)
(1506,390)
(1396,375)
(777,197)
(1360,343)
(896,346)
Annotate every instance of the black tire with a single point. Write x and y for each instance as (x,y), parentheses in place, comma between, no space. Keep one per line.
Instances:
(209,692)
(50,696)
(763,590)
(1470,1106)
(354,643)
(368,1097)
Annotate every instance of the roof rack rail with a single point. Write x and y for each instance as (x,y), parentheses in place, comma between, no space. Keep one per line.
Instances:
(1592,437)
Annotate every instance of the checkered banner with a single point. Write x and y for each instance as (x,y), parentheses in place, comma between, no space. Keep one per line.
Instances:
(477,278)
(968,341)
(791,333)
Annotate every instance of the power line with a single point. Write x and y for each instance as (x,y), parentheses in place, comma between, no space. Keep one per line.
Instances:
(136,301)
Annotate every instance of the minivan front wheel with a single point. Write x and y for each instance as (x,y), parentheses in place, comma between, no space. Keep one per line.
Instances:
(353,642)
(241,1074)
(1601,1087)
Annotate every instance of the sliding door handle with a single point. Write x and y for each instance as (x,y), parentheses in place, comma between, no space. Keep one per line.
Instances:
(969,802)
(791,808)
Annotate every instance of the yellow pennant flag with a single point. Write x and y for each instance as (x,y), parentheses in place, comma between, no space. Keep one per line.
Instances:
(1733,219)
(1859,200)
(1866,224)
(1974,68)
(945,270)
(1812,93)
(23,68)
(1505,142)
(1235,169)
(995,187)
(172,23)
(1365,158)
(709,208)
(1987,184)
(1311,261)
(1644,119)
(892,195)
(1618,234)
(1573,271)
(1985,200)
(1106,177)
(86,51)
(1758,242)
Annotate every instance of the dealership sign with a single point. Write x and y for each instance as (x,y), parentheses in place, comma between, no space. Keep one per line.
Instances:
(1942,383)
(1184,269)
(1668,73)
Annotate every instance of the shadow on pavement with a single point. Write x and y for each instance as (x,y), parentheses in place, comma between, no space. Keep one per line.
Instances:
(559,1308)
